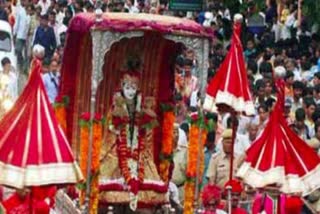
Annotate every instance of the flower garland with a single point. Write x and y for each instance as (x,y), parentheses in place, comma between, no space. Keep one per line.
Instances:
(97,126)
(98,122)
(60,105)
(195,151)
(126,153)
(167,141)
(84,150)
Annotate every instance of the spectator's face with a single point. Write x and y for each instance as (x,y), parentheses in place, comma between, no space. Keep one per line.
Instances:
(212,205)
(129,3)
(290,66)
(310,110)
(287,111)
(54,66)
(210,144)
(297,93)
(263,115)
(289,81)
(44,22)
(316,94)
(268,88)
(227,145)
(235,199)
(300,124)
(250,45)
(52,18)
(187,70)
(23,2)
(30,11)
(253,131)
(7,67)
(316,80)
(261,92)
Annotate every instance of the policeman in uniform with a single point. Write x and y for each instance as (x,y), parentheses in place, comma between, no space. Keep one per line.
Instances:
(219,165)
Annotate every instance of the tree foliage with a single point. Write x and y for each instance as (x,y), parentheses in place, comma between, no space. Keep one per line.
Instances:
(310,10)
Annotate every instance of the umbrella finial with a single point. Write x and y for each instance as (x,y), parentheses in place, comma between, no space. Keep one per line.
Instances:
(279,72)
(238,18)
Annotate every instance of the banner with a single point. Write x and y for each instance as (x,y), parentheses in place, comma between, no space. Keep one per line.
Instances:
(186,5)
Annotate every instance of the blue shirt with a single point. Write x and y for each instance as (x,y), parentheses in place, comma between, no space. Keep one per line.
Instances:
(207,157)
(46,38)
(51,83)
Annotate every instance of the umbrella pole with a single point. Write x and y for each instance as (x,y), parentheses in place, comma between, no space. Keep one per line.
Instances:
(275,204)
(30,202)
(234,134)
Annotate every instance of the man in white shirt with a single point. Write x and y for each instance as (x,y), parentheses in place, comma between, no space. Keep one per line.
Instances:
(20,32)
(44,4)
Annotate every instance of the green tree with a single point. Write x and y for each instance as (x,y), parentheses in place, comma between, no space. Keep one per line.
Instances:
(310,9)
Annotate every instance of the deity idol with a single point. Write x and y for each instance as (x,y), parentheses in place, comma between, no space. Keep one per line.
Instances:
(128,174)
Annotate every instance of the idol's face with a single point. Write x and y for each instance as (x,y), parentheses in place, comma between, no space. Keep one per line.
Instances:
(129,90)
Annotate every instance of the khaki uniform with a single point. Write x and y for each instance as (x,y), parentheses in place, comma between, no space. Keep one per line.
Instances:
(179,171)
(219,167)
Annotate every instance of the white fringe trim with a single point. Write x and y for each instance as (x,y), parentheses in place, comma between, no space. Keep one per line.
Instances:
(290,184)
(237,103)
(55,173)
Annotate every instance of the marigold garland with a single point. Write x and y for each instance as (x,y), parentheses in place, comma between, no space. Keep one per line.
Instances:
(189,197)
(95,165)
(167,133)
(84,147)
(97,125)
(167,144)
(195,151)
(61,102)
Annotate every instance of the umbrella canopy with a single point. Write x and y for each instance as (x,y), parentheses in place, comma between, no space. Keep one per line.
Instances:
(281,157)
(230,84)
(33,148)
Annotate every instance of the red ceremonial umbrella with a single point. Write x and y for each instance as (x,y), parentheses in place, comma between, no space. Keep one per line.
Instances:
(279,157)
(229,87)
(230,84)
(33,148)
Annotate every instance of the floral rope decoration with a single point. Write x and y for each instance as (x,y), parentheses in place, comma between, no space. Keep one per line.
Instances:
(167,141)
(197,130)
(84,150)
(97,125)
(98,122)
(60,105)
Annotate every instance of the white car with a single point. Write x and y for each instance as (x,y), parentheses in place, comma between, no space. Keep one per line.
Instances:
(6,44)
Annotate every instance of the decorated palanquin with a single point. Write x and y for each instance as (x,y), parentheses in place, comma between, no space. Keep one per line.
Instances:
(118,75)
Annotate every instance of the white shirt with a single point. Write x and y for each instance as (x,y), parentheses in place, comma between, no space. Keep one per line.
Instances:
(21,26)
(44,6)
(9,85)
(51,83)
(56,32)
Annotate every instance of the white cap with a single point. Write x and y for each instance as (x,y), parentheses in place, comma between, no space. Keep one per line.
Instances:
(280,72)
(238,18)
(38,51)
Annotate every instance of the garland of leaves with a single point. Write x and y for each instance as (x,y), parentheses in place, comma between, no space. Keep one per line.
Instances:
(167,141)
(60,105)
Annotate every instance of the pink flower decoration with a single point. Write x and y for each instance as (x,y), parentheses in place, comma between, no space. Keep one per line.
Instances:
(85,116)
(97,116)
(59,99)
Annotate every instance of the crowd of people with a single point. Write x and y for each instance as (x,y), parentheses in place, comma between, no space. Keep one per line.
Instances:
(286,41)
